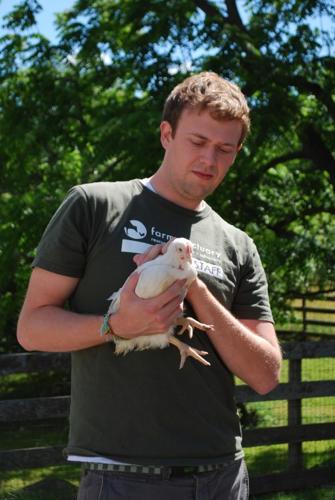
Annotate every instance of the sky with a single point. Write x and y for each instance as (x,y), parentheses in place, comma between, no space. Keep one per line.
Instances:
(45,18)
(50,7)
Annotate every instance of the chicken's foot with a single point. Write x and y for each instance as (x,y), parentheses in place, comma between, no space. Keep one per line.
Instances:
(186,350)
(189,323)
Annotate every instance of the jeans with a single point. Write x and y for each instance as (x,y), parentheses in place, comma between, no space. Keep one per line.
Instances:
(231,483)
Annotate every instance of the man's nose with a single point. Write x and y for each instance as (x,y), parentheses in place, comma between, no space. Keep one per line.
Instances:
(209,156)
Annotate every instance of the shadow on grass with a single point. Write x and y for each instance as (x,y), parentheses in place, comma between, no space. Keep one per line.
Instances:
(51,488)
(264,460)
(49,483)
(315,494)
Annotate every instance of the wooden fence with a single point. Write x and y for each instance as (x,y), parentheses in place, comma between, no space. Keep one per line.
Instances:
(296,477)
(295,433)
(316,315)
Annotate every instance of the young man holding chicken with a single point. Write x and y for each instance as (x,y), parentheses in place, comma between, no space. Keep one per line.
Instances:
(142,428)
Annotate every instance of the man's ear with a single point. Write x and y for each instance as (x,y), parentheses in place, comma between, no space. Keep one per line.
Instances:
(166,133)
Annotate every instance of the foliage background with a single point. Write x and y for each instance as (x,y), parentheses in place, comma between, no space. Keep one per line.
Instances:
(87,108)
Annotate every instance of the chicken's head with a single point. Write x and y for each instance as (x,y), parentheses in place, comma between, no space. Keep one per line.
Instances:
(180,250)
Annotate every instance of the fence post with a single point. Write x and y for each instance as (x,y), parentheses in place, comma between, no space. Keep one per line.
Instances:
(304,317)
(295,455)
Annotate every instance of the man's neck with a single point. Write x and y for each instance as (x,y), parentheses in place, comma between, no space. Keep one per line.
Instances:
(158,187)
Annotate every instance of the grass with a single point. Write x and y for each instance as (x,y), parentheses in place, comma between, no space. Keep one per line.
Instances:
(20,385)
(52,483)
(271,459)
(274,413)
(266,459)
(297,317)
(34,435)
(316,452)
(313,331)
(314,494)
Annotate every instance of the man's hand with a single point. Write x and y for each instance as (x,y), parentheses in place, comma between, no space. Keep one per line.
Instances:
(137,316)
(151,253)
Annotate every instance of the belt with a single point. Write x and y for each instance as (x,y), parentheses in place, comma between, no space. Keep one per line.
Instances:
(158,470)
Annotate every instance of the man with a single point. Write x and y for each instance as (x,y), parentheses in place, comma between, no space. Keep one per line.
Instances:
(142,428)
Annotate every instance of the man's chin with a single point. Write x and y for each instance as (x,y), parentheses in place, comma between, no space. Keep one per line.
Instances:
(201,192)
(198,195)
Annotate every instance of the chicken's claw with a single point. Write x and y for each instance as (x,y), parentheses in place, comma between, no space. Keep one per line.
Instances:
(189,323)
(185,351)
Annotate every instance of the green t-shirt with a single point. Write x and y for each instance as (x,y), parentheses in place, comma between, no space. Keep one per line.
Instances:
(140,408)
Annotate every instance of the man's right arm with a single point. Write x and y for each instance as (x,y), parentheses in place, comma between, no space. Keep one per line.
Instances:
(44,324)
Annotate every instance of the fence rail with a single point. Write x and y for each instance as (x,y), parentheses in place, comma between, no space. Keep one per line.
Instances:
(34,362)
(314,314)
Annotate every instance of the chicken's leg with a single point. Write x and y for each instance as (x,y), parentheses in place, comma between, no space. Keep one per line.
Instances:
(189,323)
(185,351)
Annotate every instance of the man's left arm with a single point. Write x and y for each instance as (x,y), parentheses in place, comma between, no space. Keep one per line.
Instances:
(248,347)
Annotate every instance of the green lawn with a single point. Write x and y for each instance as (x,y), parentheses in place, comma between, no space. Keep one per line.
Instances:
(314,494)
(14,485)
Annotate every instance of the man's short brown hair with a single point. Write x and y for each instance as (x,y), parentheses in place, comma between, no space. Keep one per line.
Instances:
(207,90)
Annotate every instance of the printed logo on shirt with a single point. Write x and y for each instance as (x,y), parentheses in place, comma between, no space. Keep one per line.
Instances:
(206,260)
(136,230)
(208,268)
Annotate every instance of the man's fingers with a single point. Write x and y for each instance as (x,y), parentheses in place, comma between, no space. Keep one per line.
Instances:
(166,245)
(150,315)
(172,311)
(131,282)
(138,259)
(151,253)
(175,292)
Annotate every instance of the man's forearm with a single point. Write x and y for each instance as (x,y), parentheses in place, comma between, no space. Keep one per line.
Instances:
(254,357)
(44,324)
(54,329)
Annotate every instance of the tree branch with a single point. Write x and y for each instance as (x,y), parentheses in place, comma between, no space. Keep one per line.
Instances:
(108,168)
(280,226)
(212,10)
(281,232)
(314,88)
(295,155)
(315,149)
(209,9)
(234,15)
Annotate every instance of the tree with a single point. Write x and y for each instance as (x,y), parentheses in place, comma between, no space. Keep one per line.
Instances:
(88,107)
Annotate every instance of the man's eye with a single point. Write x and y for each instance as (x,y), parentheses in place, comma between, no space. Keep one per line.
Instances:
(197,143)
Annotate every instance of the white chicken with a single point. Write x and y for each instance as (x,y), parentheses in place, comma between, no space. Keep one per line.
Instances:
(155,277)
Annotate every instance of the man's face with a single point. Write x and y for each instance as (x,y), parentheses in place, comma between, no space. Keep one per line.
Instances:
(198,157)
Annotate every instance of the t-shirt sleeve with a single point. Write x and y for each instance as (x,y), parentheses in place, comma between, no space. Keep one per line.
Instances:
(63,246)
(252,299)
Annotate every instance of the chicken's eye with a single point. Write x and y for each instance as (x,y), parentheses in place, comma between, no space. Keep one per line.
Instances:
(180,249)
